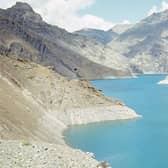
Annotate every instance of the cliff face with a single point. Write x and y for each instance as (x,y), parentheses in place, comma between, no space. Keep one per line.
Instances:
(24,34)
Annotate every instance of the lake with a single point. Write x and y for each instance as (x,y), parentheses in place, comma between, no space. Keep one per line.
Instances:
(140,143)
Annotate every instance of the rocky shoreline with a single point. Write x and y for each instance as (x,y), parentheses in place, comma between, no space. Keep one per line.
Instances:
(24,153)
(163,82)
(41,155)
(44,104)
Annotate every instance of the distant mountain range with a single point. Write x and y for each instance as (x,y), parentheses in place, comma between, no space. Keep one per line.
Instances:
(121,28)
(101,36)
(145,44)
(140,48)
(23,33)
(124,50)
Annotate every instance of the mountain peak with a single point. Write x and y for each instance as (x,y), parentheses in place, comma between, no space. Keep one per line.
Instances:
(22,10)
(23,6)
(156,17)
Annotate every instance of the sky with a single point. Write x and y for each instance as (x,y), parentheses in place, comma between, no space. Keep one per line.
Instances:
(73,15)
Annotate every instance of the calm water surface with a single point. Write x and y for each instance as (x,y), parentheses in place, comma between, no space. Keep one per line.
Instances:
(141,143)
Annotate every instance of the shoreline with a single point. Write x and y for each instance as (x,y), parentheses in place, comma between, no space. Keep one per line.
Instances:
(63,154)
(97,122)
(42,109)
(134,76)
(163,82)
(132,115)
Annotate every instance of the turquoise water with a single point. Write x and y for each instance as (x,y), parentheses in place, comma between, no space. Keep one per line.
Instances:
(141,143)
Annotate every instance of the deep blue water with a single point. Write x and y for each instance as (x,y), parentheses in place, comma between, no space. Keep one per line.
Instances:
(141,143)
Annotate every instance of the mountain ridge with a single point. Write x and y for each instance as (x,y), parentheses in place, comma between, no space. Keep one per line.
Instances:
(23,33)
(141,49)
(101,36)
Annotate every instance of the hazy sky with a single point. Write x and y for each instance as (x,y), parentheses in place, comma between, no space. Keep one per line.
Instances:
(119,10)
(101,14)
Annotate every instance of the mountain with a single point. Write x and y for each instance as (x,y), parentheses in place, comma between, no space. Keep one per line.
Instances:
(37,105)
(145,45)
(89,53)
(24,34)
(101,36)
(108,58)
(121,28)
(39,95)
(139,48)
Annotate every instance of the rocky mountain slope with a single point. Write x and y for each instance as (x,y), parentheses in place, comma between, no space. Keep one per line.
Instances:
(121,28)
(37,104)
(24,34)
(139,48)
(101,36)
(145,44)
(39,94)
(36,155)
